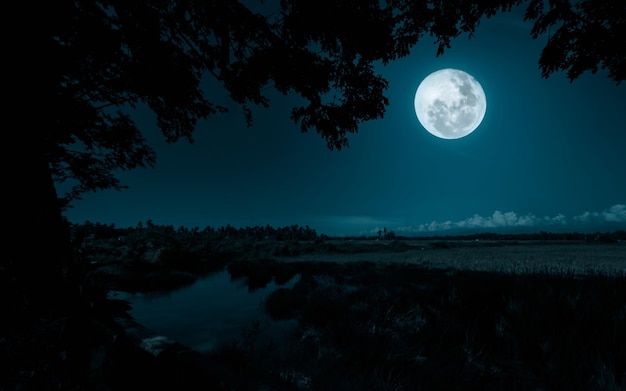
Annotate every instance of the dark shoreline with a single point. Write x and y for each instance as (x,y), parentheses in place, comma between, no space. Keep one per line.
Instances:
(381,296)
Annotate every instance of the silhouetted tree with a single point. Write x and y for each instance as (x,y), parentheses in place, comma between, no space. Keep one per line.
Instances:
(583,36)
(82,66)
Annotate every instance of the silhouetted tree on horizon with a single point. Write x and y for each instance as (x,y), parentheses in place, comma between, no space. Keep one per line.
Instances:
(81,67)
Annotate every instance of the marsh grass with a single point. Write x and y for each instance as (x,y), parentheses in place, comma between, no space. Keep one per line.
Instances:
(437,315)
(402,327)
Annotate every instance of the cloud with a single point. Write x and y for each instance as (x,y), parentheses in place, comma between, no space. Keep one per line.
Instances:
(497,220)
(614,214)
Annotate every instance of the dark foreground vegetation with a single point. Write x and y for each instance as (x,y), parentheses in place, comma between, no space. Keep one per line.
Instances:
(360,325)
(406,328)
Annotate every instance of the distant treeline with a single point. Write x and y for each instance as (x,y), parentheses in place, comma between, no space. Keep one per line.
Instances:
(148,245)
(90,230)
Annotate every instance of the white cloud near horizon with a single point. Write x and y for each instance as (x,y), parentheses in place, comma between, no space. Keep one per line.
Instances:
(498,220)
(614,214)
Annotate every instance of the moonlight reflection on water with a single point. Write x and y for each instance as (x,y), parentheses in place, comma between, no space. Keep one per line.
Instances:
(211,312)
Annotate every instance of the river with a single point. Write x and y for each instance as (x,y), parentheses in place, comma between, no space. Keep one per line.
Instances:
(212,312)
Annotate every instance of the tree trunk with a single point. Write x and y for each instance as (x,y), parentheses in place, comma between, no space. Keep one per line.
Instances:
(36,241)
(38,248)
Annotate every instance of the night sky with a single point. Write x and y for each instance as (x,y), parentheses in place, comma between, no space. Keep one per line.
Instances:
(550,155)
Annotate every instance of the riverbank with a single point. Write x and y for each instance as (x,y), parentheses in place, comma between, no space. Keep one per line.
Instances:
(388,319)
(509,257)
(375,315)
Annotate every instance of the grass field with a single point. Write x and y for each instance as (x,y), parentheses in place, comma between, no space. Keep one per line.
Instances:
(442,316)
(501,256)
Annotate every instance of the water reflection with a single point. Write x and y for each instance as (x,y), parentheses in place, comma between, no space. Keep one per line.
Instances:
(212,311)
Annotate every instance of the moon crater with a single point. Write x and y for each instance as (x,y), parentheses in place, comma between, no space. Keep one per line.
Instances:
(450,103)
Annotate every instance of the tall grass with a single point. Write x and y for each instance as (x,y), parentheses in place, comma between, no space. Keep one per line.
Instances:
(405,327)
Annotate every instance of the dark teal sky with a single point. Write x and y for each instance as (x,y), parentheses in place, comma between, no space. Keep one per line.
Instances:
(550,155)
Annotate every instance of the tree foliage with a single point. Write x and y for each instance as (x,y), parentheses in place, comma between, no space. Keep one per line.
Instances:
(583,37)
(108,56)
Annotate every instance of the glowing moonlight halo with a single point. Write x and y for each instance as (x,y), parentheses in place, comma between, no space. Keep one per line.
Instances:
(450,103)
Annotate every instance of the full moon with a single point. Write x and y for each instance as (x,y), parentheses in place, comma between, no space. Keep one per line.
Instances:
(450,103)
